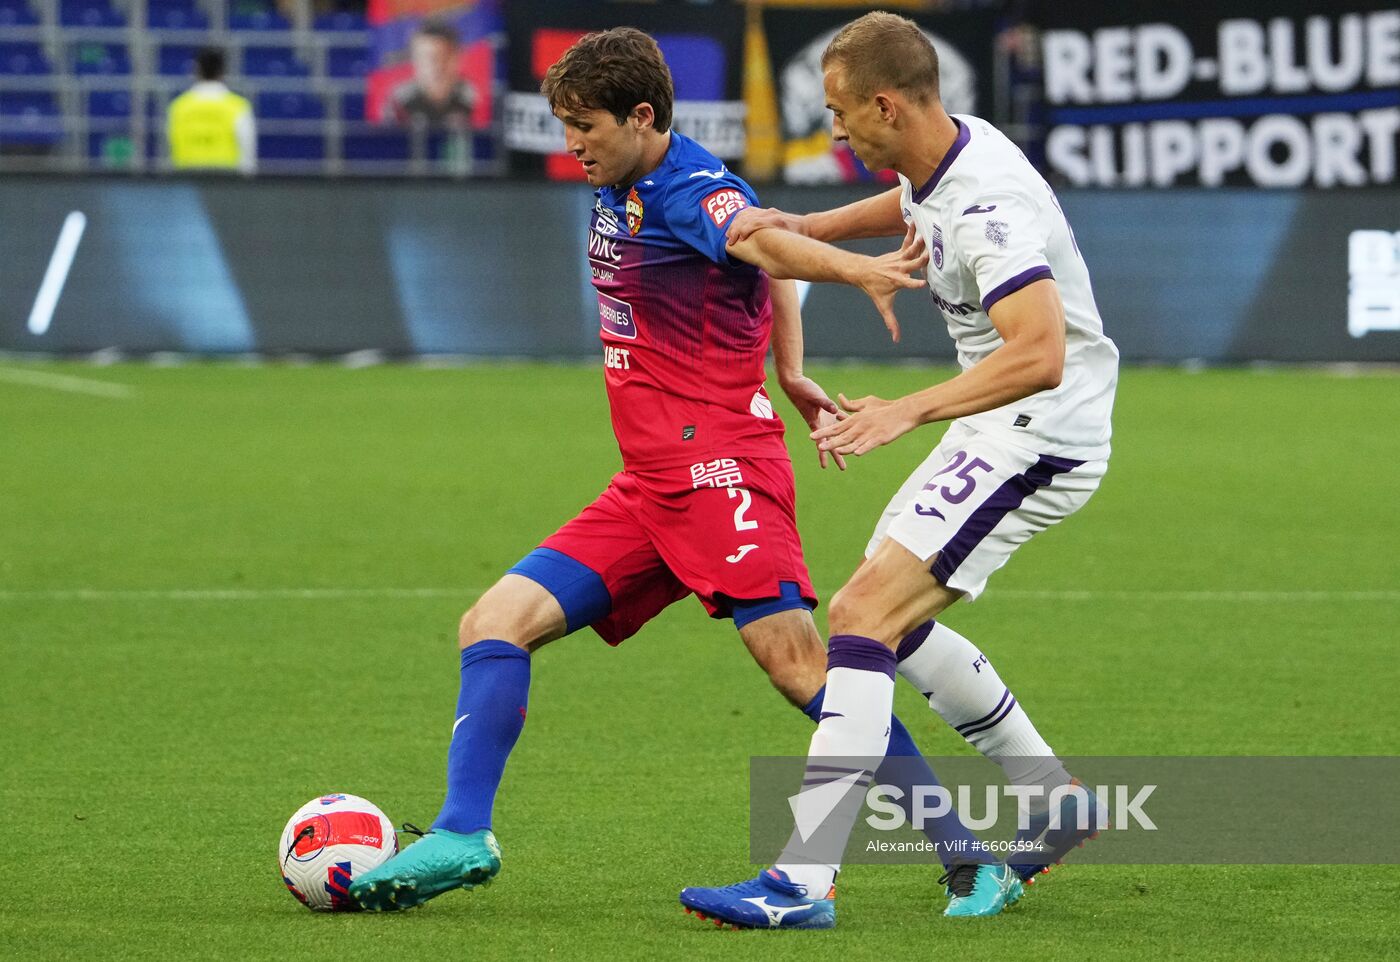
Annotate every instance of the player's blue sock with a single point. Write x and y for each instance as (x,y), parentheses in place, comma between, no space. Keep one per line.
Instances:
(490,714)
(904,767)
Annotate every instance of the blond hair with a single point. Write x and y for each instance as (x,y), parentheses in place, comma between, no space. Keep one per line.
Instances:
(884,51)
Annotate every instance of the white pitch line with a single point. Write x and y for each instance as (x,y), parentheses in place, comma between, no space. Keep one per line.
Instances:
(56,276)
(1204,596)
(65,382)
(343,594)
(229,594)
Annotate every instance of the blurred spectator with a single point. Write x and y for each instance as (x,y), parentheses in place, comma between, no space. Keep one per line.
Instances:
(437,97)
(210,127)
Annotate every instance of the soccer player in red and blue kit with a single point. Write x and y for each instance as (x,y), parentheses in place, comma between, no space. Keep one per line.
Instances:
(704,504)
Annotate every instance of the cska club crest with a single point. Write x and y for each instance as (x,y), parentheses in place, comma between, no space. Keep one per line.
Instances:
(634,212)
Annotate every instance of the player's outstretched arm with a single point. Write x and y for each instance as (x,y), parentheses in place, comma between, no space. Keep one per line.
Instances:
(783,254)
(816,408)
(877,216)
(1031,359)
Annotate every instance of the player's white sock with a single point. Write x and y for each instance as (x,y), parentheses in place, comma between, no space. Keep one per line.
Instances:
(962,686)
(846,748)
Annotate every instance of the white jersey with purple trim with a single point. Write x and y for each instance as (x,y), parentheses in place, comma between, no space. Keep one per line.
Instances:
(992,225)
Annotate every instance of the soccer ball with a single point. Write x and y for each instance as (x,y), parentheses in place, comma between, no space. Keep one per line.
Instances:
(328,842)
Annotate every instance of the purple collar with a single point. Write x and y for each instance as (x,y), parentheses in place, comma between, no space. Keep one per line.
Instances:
(964,135)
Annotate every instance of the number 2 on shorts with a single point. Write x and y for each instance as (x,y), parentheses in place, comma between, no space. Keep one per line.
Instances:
(745,500)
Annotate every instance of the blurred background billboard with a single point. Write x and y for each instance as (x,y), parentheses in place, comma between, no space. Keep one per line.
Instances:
(1230,170)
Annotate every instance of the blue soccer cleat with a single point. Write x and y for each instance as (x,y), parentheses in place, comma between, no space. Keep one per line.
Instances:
(976,890)
(770,901)
(438,862)
(1053,843)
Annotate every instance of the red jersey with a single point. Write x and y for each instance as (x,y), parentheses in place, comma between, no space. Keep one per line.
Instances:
(685,328)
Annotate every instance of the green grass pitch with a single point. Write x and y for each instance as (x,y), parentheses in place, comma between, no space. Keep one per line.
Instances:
(157,730)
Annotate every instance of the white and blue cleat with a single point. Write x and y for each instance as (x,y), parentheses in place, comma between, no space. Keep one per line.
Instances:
(770,901)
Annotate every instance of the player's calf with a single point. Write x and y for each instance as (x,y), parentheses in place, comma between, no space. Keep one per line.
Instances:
(787,646)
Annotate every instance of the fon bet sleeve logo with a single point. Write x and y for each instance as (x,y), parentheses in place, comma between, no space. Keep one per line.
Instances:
(724,204)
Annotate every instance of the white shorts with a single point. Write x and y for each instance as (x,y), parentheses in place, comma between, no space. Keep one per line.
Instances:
(976,499)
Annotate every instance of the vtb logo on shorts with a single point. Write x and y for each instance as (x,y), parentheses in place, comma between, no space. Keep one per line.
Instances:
(719,473)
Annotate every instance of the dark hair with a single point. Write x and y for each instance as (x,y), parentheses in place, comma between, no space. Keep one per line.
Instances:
(884,51)
(209,63)
(612,70)
(438,30)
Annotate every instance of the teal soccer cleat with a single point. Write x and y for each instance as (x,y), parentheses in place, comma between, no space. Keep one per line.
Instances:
(979,890)
(438,862)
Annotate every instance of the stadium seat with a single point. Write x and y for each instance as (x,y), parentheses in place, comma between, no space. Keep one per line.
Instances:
(101,59)
(289,106)
(385,145)
(28,103)
(175,15)
(352,106)
(272,62)
(112,149)
(176,60)
(347,62)
(23,58)
(109,140)
(109,103)
(39,121)
(256,16)
(17,13)
(341,21)
(89,13)
(291,147)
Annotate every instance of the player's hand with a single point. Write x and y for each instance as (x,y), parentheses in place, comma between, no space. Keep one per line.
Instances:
(818,410)
(887,275)
(872,422)
(750,220)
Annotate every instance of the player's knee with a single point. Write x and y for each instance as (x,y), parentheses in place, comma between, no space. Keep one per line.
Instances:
(481,623)
(845,612)
(857,610)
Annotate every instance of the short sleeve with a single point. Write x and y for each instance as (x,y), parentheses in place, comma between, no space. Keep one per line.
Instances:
(700,206)
(1003,239)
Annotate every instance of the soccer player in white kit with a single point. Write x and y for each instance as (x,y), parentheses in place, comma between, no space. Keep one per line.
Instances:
(1027,447)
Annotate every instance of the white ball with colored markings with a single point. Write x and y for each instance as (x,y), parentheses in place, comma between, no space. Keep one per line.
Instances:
(327,843)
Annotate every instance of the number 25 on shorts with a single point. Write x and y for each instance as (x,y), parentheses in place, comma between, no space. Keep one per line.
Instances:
(963,472)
